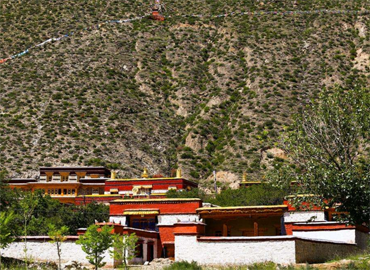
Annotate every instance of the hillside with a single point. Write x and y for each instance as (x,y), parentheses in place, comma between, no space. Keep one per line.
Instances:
(201,93)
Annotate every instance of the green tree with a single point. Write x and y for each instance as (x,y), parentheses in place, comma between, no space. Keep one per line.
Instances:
(328,146)
(58,236)
(95,242)
(124,247)
(85,215)
(47,212)
(28,202)
(263,194)
(7,198)
(5,230)
(50,211)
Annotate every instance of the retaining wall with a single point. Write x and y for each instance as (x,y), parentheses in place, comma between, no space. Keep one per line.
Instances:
(311,251)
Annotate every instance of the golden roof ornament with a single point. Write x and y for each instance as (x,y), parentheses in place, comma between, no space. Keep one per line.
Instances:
(113,175)
(178,173)
(145,173)
(244,177)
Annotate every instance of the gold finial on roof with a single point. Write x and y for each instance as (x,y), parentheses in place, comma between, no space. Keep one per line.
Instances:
(145,173)
(244,177)
(178,173)
(113,175)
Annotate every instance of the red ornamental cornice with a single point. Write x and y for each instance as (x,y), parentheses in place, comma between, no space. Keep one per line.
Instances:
(155,201)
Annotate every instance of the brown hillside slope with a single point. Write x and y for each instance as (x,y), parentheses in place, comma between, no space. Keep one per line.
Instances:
(200,93)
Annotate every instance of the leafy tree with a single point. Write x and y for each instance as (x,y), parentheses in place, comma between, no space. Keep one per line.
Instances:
(50,211)
(7,197)
(58,236)
(263,194)
(85,215)
(95,242)
(124,248)
(327,144)
(47,212)
(28,203)
(5,231)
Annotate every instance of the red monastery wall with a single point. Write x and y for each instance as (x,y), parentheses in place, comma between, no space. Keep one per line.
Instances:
(157,184)
(165,206)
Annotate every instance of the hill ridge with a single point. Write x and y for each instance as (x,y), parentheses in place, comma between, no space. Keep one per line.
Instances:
(192,92)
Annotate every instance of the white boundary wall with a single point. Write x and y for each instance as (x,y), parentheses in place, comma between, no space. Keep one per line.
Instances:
(162,219)
(45,251)
(188,248)
(172,219)
(118,219)
(304,216)
(346,235)
(248,250)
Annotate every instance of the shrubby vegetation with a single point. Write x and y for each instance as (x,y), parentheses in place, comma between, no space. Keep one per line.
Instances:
(183,266)
(263,194)
(223,87)
(361,264)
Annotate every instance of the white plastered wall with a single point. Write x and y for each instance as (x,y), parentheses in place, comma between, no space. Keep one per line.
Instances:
(172,219)
(118,219)
(45,251)
(347,235)
(304,216)
(159,191)
(187,248)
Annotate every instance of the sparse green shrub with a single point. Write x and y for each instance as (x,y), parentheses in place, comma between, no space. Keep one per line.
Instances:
(183,265)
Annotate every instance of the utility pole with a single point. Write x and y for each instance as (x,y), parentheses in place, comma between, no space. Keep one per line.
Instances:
(215,181)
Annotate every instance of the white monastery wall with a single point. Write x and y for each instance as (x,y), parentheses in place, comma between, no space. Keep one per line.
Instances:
(304,216)
(172,219)
(346,235)
(118,219)
(45,251)
(162,219)
(247,250)
(188,248)
(159,191)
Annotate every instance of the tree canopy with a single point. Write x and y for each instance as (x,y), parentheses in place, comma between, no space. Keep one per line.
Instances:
(263,194)
(124,248)
(58,236)
(46,211)
(328,147)
(95,242)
